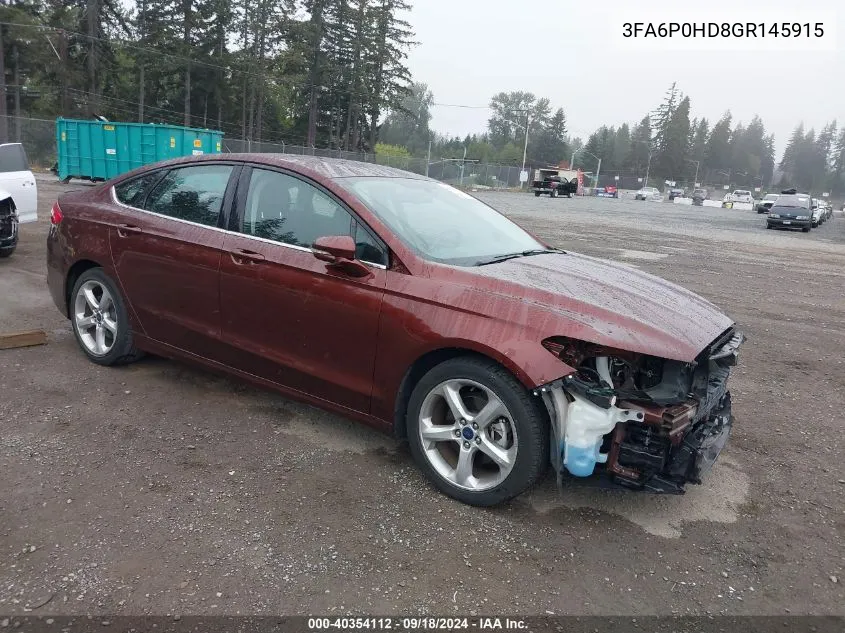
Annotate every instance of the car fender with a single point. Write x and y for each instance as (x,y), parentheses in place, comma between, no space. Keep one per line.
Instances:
(411,328)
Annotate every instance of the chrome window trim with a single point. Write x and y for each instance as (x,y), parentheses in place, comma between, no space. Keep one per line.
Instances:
(226,231)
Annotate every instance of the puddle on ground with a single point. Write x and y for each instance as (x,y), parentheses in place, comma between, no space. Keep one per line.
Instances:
(718,499)
(649,256)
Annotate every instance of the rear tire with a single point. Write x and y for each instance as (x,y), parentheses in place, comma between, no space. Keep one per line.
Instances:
(536,194)
(553,194)
(806,229)
(501,419)
(100,320)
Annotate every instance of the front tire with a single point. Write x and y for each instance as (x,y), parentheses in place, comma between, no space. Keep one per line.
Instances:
(806,229)
(553,194)
(100,321)
(7,251)
(476,433)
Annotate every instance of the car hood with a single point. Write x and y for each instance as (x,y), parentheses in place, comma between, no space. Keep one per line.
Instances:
(608,303)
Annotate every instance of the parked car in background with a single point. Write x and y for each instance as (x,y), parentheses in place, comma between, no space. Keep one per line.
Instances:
(18,195)
(408,305)
(817,216)
(766,203)
(607,192)
(649,193)
(791,211)
(828,209)
(739,195)
(699,196)
(676,192)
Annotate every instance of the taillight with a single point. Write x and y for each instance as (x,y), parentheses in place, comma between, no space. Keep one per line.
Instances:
(56,214)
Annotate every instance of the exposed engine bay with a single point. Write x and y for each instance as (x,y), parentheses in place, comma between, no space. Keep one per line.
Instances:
(638,421)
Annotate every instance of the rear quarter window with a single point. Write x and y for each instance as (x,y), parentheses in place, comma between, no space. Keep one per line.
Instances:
(133,192)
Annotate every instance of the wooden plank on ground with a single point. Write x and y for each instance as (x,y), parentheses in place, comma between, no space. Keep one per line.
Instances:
(11,340)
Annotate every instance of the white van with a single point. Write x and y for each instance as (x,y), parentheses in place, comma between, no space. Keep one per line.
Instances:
(18,195)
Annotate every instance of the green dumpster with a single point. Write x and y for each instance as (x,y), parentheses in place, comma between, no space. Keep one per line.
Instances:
(99,150)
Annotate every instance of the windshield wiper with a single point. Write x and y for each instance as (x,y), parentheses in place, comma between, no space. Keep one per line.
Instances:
(528,253)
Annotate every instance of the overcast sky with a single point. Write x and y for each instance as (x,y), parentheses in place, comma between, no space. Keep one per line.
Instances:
(573,53)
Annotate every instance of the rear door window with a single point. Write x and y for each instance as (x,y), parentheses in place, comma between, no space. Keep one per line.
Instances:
(194,194)
(13,158)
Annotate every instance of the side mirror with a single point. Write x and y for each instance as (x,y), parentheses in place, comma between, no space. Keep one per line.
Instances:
(334,248)
(339,252)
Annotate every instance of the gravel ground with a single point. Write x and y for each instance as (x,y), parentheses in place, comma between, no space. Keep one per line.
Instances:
(162,489)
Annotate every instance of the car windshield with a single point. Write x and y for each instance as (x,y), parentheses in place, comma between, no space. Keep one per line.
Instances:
(439,222)
(771,196)
(740,192)
(791,202)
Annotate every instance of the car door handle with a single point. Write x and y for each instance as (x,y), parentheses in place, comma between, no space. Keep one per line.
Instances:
(242,255)
(124,230)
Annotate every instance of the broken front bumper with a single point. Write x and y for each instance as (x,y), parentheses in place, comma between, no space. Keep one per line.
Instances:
(8,225)
(640,445)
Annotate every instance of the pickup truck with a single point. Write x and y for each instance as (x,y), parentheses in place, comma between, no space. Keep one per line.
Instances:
(554,183)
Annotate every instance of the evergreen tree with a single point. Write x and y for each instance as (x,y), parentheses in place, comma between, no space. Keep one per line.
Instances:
(641,146)
(718,149)
(674,137)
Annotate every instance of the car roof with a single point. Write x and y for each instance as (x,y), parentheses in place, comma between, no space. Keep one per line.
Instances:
(315,165)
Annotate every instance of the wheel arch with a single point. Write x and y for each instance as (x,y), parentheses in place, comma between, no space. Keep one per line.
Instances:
(74,273)
(425,363)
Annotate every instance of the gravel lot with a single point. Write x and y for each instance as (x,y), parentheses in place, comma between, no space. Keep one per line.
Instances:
(162,489)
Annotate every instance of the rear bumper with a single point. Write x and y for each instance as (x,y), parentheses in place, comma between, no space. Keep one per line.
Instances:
(56,271)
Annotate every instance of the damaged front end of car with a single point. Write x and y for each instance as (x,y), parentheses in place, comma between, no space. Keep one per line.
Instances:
(638,421)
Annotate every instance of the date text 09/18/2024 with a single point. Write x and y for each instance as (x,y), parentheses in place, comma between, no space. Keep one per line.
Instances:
(418,623)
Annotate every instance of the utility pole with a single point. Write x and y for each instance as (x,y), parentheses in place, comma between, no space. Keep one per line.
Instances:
(428,159)
(141,78)
(462,165)
(647,167)
(525,150)
(17,94)
(695,178)
(598,171)
(63,61)
(4,121)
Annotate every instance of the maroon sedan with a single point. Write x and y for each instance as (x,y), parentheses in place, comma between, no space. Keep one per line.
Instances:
(408,305)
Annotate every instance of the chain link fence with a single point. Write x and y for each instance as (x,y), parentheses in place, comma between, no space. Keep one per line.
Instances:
(451,170)
(38,137)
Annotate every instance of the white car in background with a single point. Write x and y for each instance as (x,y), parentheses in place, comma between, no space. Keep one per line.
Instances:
(818,212)
(739,195)
(18,195)
(649,193)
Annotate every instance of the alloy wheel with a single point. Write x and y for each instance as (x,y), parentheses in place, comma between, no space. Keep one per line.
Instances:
(95,316)
(468,435)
